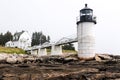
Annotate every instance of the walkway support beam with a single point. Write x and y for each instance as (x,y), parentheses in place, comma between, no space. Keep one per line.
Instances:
(42,52)
(56,50)
(34,52)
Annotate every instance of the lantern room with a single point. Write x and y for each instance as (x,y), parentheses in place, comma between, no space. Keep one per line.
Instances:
(86,15)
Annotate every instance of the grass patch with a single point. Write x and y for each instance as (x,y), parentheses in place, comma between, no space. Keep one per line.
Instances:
(48,50)
(69,51)
(11,50)
(64,51)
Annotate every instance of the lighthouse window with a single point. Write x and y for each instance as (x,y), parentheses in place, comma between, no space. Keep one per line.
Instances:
(86,12)
(83,13)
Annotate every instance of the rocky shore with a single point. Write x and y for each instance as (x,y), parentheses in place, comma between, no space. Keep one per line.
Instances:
(31,67)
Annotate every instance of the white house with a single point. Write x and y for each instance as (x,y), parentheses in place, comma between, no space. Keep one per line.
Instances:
(20,40)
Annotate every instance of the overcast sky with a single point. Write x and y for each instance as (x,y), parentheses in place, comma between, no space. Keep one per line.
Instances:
(57,18)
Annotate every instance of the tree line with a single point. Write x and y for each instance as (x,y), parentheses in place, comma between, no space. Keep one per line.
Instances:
(38,38)
(5,38)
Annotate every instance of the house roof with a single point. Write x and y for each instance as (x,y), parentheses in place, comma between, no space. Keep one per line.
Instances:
(17,35)
(8,42)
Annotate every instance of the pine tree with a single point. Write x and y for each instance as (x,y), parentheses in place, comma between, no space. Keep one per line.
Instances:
(38,38)
(1,39)
(5,38)
(48,38)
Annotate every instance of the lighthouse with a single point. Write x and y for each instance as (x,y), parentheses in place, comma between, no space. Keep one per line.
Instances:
(86,33)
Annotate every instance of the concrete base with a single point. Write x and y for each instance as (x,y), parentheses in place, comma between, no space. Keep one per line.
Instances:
(42,52)
(86,56)
(34,52)
(56,50)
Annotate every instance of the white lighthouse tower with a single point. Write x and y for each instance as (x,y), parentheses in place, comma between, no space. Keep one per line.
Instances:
(85,34)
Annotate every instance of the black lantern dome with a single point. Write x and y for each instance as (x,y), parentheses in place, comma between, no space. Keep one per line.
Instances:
(86,15)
